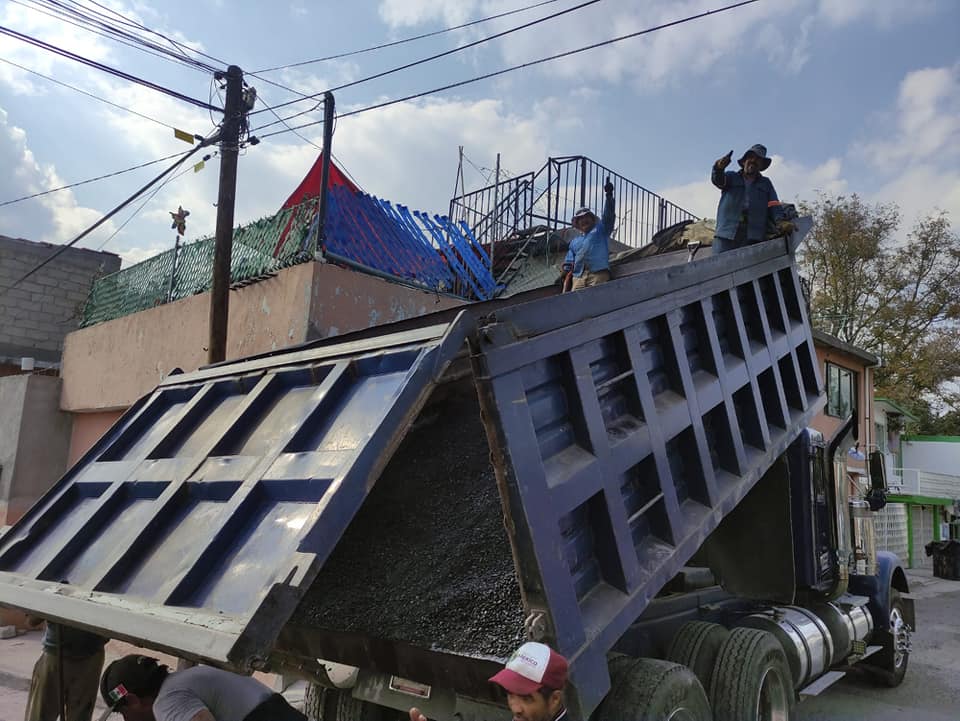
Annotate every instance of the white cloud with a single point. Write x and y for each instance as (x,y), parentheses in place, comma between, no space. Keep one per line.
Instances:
(673,53)
(407,152)
(916,152)
(400,13)
(883,13)
(53,218)
(926,120)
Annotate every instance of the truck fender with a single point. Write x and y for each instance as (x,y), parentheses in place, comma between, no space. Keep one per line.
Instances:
(890,575)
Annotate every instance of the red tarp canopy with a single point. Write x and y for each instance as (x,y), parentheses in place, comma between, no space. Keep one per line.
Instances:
(310,186)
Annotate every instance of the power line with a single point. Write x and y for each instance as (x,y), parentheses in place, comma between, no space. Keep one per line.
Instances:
(88,94)
(63,248)
(60,16)
(178,45)
(95,19)
(504,71)
(105,68)
(92,24)
(92,180)
(405,40)
(445,53)
(150,197)
(282,120)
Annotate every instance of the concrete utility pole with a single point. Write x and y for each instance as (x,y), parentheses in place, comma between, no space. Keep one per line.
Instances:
(233,113)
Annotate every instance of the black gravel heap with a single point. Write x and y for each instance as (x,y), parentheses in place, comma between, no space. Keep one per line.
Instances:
(426,560)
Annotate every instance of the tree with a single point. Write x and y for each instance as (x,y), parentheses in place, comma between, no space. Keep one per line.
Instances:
(900,301)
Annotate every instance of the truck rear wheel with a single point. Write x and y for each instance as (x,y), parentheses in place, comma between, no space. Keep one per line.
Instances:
(890,664)
(751,679)
(644,689)
(696,646)
(313,701)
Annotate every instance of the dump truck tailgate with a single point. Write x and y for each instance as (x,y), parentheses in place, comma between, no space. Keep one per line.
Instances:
(197,523)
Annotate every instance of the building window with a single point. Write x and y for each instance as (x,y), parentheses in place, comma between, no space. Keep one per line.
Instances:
(880,433)
(841,391)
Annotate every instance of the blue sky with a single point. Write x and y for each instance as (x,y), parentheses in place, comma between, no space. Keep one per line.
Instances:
(851,96)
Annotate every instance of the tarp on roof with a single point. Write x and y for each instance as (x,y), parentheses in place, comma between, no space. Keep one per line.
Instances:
(310,185)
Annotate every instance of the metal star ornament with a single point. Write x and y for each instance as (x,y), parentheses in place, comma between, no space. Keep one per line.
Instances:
(180,220)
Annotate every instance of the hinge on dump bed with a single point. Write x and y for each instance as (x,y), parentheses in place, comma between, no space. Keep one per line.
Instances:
(536,625)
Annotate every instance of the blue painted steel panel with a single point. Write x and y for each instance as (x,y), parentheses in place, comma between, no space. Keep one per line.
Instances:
(215,500)
(631,419)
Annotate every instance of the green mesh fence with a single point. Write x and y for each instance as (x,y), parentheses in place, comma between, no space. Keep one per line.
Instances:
(173,275)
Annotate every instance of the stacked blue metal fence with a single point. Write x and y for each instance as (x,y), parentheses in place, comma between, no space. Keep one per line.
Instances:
(423,250)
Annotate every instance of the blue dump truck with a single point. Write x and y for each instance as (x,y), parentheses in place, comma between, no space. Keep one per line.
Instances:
(624,472)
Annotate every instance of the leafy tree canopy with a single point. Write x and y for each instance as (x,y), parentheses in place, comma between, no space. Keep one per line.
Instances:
(900,301)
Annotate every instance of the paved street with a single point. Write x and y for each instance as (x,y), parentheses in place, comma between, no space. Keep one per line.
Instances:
(931,689)
(930,692)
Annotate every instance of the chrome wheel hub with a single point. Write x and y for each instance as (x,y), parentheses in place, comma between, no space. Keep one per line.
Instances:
(901,637)
(773,703)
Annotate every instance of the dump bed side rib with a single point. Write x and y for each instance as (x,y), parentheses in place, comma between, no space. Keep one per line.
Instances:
(624,423)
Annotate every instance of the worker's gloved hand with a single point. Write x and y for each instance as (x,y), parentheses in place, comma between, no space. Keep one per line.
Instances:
(724,161)
(608,187)
(786,227)
(567,267)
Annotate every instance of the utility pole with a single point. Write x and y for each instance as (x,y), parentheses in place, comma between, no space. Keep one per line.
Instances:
(328,108)
(226,198)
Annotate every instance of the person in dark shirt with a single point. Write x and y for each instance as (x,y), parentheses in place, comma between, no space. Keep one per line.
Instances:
(82,656)
(139,688)
(748,201)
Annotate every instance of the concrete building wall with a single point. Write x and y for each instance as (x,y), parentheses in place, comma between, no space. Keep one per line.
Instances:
(87,430)
(934,454)
(34,440)
(344,300)
(37,313)
(108,366)
(829,425)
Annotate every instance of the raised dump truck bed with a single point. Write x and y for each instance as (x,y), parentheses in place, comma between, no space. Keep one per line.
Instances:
(622,424)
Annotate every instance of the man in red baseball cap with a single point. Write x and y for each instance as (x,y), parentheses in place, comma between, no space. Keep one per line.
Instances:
(533,678)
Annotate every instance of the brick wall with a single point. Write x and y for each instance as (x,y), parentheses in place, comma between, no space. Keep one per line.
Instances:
(37,313)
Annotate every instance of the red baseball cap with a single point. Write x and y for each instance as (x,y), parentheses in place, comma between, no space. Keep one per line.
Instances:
(530,668)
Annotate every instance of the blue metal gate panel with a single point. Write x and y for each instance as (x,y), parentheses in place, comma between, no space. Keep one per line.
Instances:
(632,418)
(200,519)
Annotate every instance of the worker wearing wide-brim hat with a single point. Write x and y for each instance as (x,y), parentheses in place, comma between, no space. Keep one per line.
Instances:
(747,201)
(588,259)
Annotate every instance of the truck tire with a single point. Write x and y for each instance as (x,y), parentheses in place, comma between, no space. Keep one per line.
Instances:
(696,646)
(313,701)
(645,689)
(339,705)
(889,666)
(751,679)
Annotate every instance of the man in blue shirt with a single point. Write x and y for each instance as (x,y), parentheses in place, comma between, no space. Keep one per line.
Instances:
(589,255)
(747,201)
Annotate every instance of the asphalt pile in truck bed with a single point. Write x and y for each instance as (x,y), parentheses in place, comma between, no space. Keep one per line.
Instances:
(426,560)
